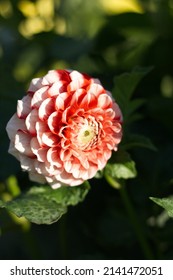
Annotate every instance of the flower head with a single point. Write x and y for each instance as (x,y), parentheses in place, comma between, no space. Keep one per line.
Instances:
(65,128)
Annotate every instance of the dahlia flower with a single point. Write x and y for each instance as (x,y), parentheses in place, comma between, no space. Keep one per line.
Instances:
(65,128)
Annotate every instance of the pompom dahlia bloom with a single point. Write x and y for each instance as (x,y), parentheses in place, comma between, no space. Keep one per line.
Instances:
(65,128)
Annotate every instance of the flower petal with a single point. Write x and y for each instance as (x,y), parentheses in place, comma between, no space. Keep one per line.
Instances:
(46,109)
(89,101)
(39,97)
(57,88)
(35,84)
(31,120)
(54,76)
(41,127)
(68,179)
(54,158)
(54,122)
(27,164)
(78,81)
(49,139)
(40,152)
(35,177)
(22,143)
(13,151)
(60,101)
(13,125)
(24,107)
(97,89)
(104,101)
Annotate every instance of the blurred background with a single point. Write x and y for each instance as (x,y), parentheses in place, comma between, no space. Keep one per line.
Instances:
(103,38)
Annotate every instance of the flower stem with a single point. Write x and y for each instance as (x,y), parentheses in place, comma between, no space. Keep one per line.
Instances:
(136,224)
(119,185)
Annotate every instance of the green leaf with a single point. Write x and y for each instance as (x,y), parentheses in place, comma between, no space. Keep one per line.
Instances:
(36,209)
(43,205)
(122,168)
(124,86)
(99,174)
(126,83)
(137,140)
(166,203)
(65,195)
(135,104)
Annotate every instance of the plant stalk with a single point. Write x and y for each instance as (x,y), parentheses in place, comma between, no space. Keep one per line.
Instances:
(132,216)
(136,224)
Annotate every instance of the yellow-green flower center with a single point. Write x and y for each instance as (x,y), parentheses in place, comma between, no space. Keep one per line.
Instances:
(86,134)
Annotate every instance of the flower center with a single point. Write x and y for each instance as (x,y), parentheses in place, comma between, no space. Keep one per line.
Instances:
(86,134)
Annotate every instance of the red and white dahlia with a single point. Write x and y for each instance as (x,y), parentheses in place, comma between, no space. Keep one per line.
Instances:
(65,128)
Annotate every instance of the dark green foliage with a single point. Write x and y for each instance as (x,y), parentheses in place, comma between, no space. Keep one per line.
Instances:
(42,205)
(166,203)
(132,56)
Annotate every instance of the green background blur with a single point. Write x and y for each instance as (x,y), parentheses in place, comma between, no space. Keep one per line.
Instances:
(103,38)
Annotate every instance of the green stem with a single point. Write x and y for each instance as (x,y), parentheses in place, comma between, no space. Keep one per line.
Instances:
(133,217)
(136,224)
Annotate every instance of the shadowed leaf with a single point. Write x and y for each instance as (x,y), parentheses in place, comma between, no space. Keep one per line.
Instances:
(123,166)
(124,86)
(166,203)
(43,205)
(137,140)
